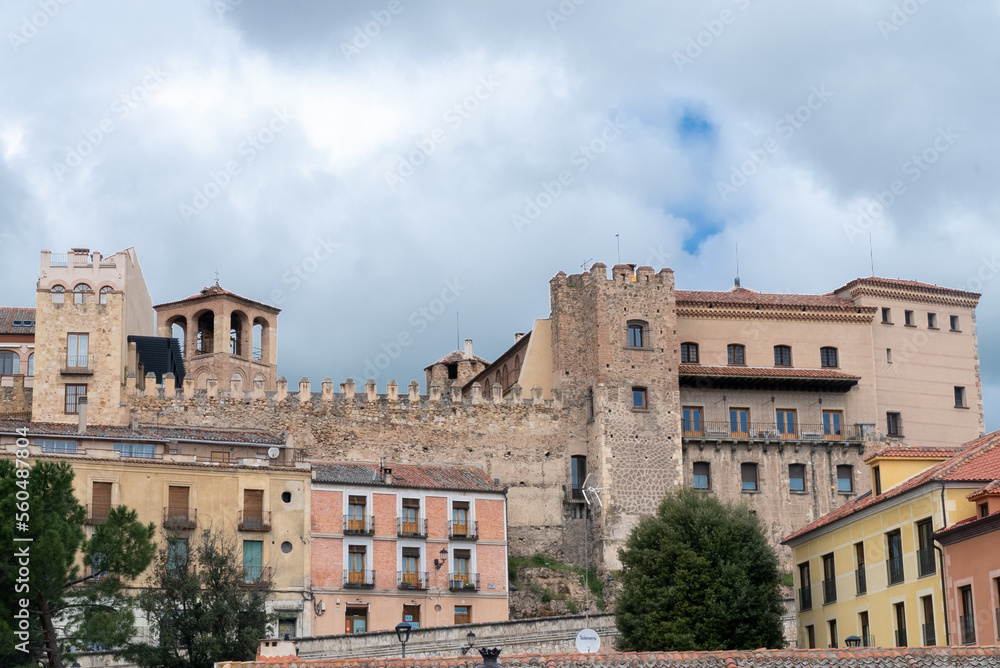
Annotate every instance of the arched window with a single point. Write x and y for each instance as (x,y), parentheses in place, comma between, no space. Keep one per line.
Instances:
(828,357)
(782,356)
(689,353)
(105,291)
(31,364)
(80,293)
(58,294)
(10,363)
(637,334)
(736,353)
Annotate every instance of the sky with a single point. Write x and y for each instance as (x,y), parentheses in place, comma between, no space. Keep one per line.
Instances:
(393,171)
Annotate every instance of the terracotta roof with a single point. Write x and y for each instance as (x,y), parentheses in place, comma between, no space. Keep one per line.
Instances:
(9,315)
(759,371)
(904,451)
(408,475)
(976,461)
(216,291)
(900,284)
(899,657)
(992,488)
(454,357)
(745,296)
(146,432)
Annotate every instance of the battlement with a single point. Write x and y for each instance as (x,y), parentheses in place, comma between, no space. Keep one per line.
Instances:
(620,273)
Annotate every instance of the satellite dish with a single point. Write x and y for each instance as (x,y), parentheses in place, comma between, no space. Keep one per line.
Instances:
(587,641)
(273,452)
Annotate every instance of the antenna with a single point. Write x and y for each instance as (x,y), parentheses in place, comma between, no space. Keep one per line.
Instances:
(584,488)
(585,263)
(619,248)
(871,254)
(737,265)
(217,272)
(458,333)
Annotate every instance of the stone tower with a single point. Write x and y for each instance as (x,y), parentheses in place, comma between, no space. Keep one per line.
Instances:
(456,368)
(225,335)
(615,353)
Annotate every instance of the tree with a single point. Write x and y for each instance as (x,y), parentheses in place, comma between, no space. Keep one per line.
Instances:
(202,605)
(699,575)
(49,610)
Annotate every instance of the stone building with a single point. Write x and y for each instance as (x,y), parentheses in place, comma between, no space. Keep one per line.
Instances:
(17,346)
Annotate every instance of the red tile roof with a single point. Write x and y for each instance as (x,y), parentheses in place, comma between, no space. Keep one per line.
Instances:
(992,488)
(900,284)
(976,461)
(408,475)
(900,657)
(9,315)
(904,451)
(215,291)
(761,371)
(745,296)
(457,356)
(146,432)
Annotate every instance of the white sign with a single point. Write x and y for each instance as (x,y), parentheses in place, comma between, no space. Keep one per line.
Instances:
(588,642)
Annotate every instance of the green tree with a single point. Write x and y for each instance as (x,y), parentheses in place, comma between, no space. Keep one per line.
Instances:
(202,605)
(699,575)
(66,610)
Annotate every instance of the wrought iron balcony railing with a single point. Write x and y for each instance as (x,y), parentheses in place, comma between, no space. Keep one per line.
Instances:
(359,579)
(861,580)
(463,582)
(805,598)
(356,526)
(180,518)
(405,580)
(255,521)
(894,567)
(411,528)
(463,531)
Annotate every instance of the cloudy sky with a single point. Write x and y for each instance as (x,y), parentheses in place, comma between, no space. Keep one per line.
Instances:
(355,163)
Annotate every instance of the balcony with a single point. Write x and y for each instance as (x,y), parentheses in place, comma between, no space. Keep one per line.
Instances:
(929,635)
(411,529)
(97,513)
(861,580)
(771,432)
(805,598)
(406,580)
(894,567)
(925,562)
(901,638)
(829,591)
(359,579)
(359,526)
(867,639)
(77,365)
(253,577)
(967,625)
(468,582)
(255,521)
(463,531)
(180,518)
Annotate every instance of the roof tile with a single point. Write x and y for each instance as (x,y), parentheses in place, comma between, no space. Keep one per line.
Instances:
(146,432)
(9,315)
(757,371)
(745,296)
(408,475)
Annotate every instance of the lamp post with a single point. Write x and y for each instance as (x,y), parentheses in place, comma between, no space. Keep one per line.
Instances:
(403,633)
(470,640)
(853,641)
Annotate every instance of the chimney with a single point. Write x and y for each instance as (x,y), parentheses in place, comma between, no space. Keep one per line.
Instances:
(134,422)
(518,336)
(272,648)
(468,349)
(81,408)
(387,476)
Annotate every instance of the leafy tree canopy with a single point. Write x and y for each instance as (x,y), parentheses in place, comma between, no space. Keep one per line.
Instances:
(699,575)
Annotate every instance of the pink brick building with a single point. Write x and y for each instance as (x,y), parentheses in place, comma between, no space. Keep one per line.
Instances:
(403,542)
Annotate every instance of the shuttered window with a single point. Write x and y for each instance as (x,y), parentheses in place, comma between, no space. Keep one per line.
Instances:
(101,501)
(253,504)
(177,501)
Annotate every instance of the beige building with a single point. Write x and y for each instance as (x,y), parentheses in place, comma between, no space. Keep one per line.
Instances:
(17,346)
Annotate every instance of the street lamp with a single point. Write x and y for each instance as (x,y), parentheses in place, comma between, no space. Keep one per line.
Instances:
(853,641)
(403,633)
(470,639)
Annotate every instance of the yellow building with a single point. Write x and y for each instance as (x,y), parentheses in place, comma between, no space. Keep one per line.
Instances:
(870,568)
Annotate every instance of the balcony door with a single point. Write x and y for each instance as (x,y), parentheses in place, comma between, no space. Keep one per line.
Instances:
(832,421)
(739,421)
(787,422)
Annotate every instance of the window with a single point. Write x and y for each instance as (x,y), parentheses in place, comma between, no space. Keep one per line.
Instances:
(900,611)
(80,293)
(100,502)
(960,397)
(932,321)
(811,637)
(177,504)
(460,568)
(452,371)
(286,627)
(832,425)
(967,622)
(105,291)
(860,574)
(984,510)
(739,421)
(866,636)
(829,579)
(845,478)
(782,356)
(10,363)
(925,548)
(877,480)
(702,475)
(356,565)
(833,632)
(930,637)
(786,422)
(31,364)
(894,564)
(748,476)
(177,556)
(356,514)
(908,319)
(886,315)
(797,477)
(893,424)
(689,353)
(253,560)
(590,403)
(139,450)
(639,398)
(73,394)
(578,473)
(356,619)
(460,518)
(828,357)
(636,334)
(691,416)
(888,355)
(805,587)
(736,353)
(954,323)
(252,517)
(76,351)
(410,568)
(463,614)
(410,520)
(58,294)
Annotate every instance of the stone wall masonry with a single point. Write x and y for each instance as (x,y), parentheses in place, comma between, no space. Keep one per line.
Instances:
(525,636)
